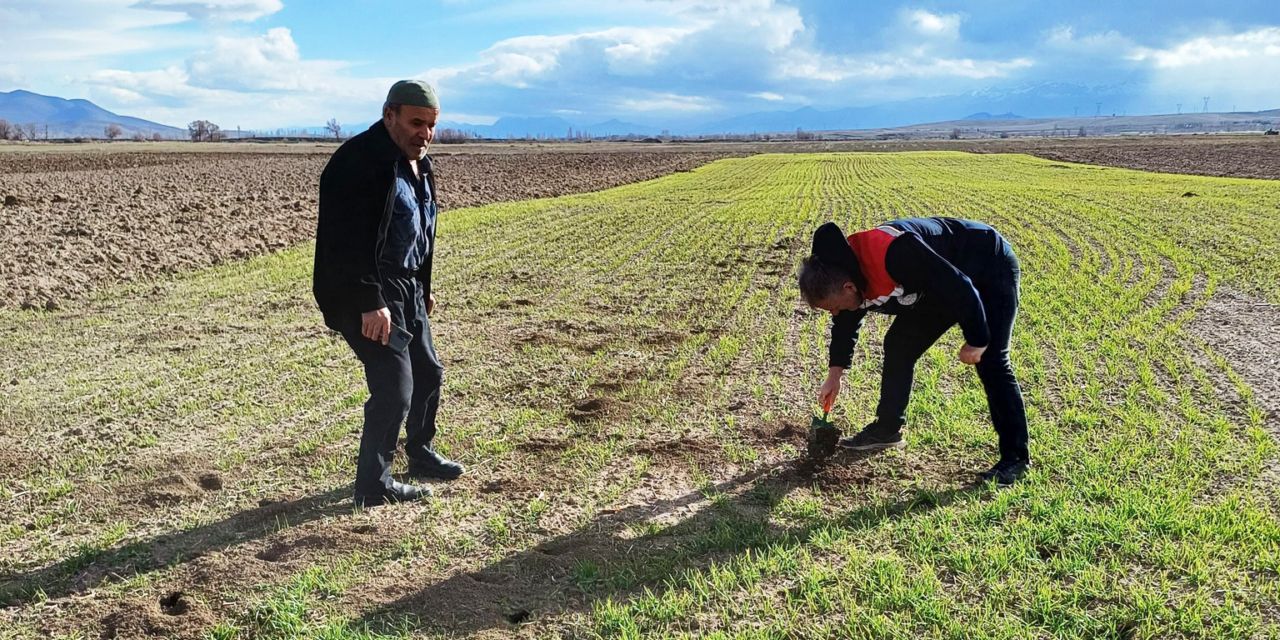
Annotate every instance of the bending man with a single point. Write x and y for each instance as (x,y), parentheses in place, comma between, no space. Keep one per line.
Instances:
(931,273)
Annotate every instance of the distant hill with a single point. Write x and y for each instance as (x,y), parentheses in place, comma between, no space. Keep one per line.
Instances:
(548,127)
(983,115)
(1000,126)
(73,118)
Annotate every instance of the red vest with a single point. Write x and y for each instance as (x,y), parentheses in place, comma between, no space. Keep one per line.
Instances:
(870,247)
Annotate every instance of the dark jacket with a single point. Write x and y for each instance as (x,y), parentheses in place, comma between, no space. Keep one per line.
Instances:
(938,259)
(357,192)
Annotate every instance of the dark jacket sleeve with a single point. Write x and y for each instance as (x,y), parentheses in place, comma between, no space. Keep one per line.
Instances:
(350,210)
(844,333)
(424,271)
(917,267)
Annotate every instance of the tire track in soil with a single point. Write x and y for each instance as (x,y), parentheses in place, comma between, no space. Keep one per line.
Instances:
(1240,329)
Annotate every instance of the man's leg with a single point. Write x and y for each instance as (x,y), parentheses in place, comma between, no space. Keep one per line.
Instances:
(420,430)
(910,335)
(388,375)
(428,375)
(1004,395)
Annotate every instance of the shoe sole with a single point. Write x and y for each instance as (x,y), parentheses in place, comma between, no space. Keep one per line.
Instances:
(875,447)
(434,476)
(1009,482)
(381,502)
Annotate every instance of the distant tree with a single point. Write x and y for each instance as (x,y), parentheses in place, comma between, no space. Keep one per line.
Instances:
(1080,133)
(454,136)
(204,131)
(6,129)
(156,137)
(955,134)
(334,128)
(139,137)
(33,130)
(112,131)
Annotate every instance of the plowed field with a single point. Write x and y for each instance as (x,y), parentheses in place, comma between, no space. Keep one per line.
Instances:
(75,223)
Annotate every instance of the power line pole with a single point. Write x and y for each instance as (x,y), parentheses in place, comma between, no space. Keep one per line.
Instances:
(1206,105)
(1179,108)
(1097,109)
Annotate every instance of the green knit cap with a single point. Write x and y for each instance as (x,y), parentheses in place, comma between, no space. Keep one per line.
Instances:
(415,93)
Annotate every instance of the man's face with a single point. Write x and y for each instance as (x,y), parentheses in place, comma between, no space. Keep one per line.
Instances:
(846,298)
(411,129)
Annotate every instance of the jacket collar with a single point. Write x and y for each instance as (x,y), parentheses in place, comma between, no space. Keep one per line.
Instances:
(381,143)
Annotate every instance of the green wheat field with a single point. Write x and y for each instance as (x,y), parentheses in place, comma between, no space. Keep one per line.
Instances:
(629,376)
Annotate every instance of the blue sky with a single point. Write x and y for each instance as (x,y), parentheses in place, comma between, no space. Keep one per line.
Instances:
(273,63)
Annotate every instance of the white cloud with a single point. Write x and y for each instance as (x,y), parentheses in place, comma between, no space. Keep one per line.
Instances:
(706,49)
(1211,50)
(9,75)
(1234,69)
(1064,37)
(216,10)
(933,24)
(669,102)
(637,50)
(255,81)
(39,33)
(804,65)
(270,62)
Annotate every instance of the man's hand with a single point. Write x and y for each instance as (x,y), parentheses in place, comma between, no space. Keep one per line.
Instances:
(376,325)
(970,354)
(830,389)
(431,302)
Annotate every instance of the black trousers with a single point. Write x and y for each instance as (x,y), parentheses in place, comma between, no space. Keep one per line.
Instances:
(404,389)
(915,330)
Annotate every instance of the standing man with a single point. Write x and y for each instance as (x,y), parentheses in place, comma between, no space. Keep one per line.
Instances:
(931,273)
(372,280)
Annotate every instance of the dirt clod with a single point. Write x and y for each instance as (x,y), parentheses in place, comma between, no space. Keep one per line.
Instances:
(175,615)
(170,490)
(823,439)
(593,408)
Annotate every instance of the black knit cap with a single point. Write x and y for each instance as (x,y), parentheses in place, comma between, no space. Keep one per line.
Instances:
(831,246)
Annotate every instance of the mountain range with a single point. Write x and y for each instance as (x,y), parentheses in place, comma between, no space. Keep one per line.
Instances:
(61,118)
(1030,103)
(1037,100)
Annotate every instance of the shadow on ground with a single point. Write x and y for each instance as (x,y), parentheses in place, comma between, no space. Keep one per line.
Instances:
(91,568)
(618,554)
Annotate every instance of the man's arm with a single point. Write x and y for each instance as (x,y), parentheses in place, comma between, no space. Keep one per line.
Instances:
(844,333)
(349,219)
(917,267)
